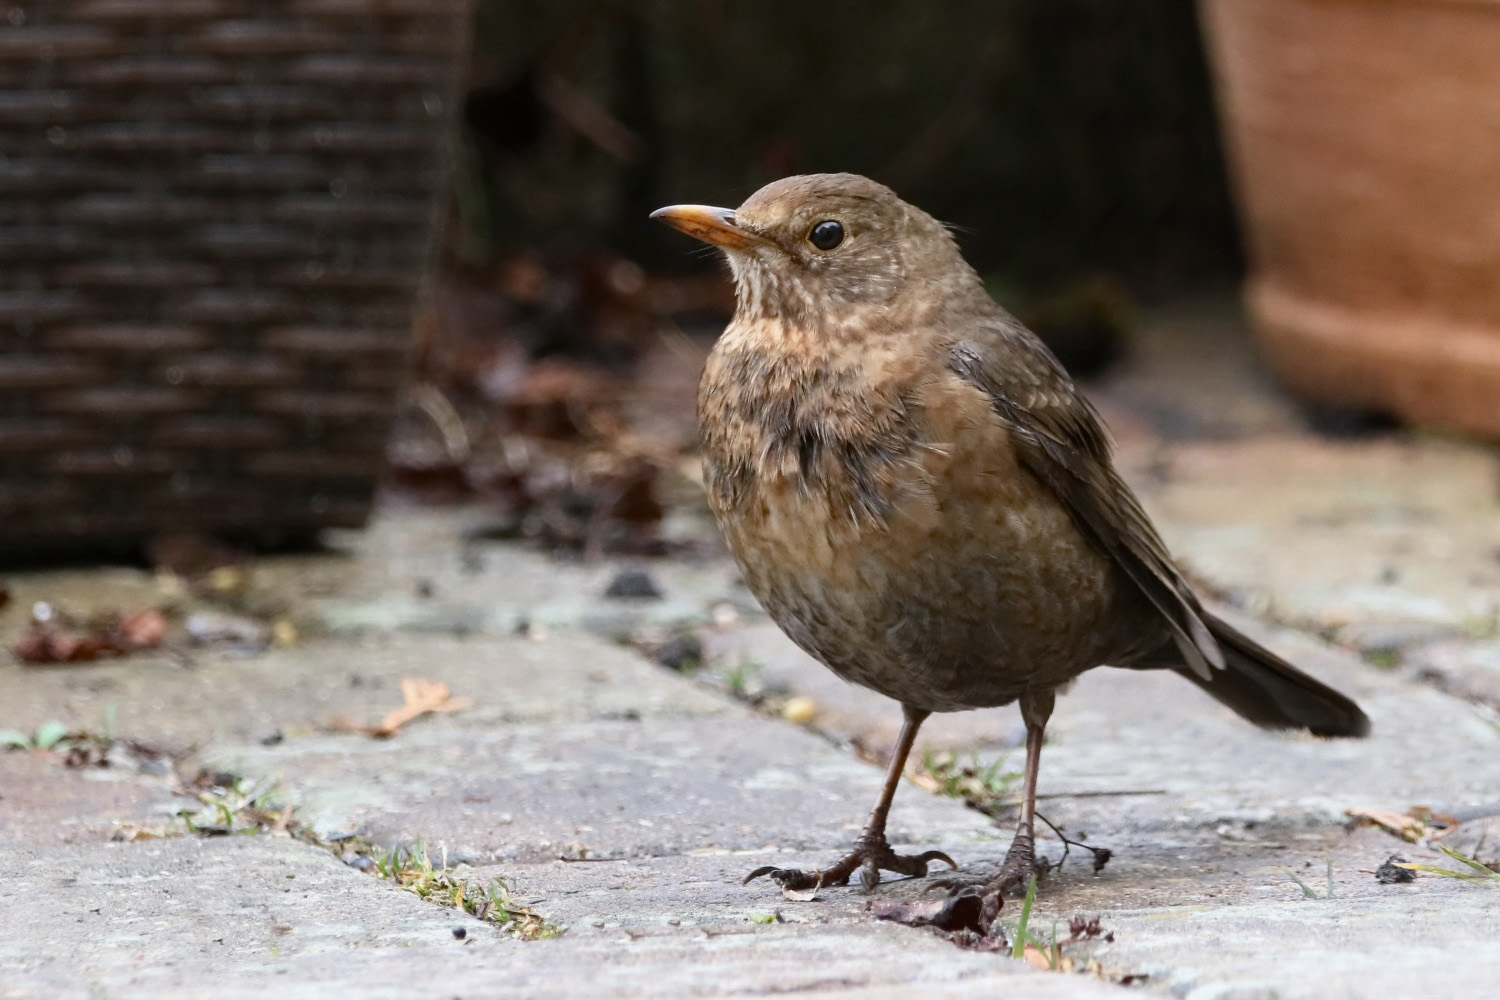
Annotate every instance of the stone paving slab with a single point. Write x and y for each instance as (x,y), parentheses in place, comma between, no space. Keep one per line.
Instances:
(1466,669)
(875,961)
(301,690)
(608,788)
(42,802)
(1439,941)
(1154,734)
(1378,543)
(659,895)
(1242,889)
(184,912)
(1218,838)
(129,919)
(236,916)
(1206,831)
(423,570)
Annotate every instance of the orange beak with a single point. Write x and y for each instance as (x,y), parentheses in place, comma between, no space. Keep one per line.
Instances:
(711,225)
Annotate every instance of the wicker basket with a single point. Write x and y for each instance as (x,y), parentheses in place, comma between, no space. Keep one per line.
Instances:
(214,220)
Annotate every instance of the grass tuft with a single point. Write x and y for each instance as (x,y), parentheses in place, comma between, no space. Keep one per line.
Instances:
(489,900)
(1308,892)
(985,787)
(1478,874)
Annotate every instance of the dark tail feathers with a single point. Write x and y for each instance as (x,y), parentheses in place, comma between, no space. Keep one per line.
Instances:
(1273,694)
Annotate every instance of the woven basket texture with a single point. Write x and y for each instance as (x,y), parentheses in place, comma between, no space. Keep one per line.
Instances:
(215,216)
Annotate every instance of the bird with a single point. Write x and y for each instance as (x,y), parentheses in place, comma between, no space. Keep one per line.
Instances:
(920,496)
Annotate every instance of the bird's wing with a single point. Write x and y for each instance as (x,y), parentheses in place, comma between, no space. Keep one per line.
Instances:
(1060,440)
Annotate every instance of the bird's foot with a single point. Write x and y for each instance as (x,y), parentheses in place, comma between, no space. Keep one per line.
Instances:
(1018,869)
(871,856)
(1015,874)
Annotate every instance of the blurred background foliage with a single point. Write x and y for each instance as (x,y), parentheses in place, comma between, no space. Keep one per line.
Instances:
(1066,138)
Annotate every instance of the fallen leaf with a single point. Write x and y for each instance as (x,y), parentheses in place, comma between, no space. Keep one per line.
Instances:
(801,895)
(41,643)
(420,697)
(956,913)
(44,641)
(1417,825)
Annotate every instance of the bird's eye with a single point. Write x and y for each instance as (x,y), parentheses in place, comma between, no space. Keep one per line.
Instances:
(826,235)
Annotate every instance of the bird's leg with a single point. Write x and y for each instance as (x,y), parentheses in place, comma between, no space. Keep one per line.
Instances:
(1020,861)
(872,852)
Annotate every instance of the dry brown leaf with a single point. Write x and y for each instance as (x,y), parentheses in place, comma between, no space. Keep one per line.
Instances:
(1439,825)
(801,895)
(1418,824)
(955,913)
(419,698)
(46,641)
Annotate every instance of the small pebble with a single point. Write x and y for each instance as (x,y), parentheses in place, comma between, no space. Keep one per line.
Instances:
(633,584)
(682,653)
(801,710)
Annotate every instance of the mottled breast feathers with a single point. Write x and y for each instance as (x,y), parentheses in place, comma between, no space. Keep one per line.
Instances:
(825,423)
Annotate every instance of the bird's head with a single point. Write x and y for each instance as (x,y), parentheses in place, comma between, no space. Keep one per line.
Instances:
(824,249)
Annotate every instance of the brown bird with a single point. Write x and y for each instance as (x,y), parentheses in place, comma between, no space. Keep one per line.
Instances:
(919,495)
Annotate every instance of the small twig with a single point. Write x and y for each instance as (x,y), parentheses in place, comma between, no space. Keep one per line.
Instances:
(1102,855)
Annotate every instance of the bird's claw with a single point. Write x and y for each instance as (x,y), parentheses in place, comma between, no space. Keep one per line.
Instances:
(1015,873)
(1017,870)
(955,885)
(794,879)
(868,858)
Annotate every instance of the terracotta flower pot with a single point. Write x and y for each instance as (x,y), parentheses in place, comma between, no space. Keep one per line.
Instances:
(1365,139)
